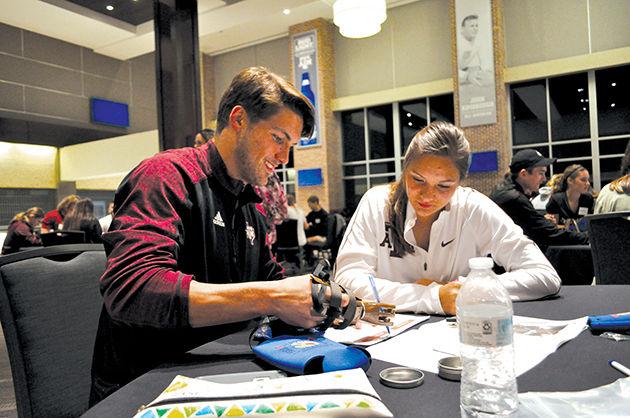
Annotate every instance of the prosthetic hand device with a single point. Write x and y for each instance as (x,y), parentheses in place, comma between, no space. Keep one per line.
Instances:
(338,316)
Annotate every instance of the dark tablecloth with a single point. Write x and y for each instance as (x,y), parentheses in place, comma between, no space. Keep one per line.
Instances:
(579,364)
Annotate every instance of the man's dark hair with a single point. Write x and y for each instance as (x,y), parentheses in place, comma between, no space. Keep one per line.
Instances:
(313,199)
(262,94)
(469,17)
(514,176)
(207,134)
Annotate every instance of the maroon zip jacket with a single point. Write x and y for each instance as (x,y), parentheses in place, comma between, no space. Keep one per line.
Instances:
(179,217)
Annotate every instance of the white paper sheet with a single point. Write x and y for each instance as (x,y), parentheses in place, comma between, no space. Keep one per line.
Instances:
(370,334)
(534,339)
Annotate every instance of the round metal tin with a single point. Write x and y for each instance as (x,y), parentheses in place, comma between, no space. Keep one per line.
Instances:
(450,368)
(401,377)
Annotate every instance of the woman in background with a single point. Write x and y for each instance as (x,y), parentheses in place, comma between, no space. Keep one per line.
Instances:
(415,236)
(53,220)
(572,199)
(615,196)
(81,218)
(21,232)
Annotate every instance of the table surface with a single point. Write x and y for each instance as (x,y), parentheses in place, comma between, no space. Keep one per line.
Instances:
(580,364)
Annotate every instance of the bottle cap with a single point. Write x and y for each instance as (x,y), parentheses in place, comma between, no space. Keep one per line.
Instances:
(450,368)
(401,377)
(480,263)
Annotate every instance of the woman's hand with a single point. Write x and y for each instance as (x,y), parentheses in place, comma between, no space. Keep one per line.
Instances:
(448,295)
(425,282)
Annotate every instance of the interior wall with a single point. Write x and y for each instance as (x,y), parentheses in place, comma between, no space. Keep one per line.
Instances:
(28,166)
(541,30)
(44,76)
(413,47)
(273,54)
(101,165)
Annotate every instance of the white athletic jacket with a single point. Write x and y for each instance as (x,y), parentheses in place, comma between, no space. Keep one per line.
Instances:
(471,225)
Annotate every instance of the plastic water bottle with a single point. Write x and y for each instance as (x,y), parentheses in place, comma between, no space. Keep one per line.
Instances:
(484,315)
(306,87)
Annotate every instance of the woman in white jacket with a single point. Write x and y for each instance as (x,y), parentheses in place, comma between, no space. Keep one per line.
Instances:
(415,236)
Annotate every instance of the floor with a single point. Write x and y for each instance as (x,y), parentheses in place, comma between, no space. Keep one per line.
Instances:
(7,395)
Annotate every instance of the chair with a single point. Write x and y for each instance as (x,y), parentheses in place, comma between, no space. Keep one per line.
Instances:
(62,238)
(609,234)
(286,247)
(49,310)
(574,263)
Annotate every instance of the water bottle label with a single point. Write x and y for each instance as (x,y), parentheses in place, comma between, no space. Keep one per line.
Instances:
(491,332)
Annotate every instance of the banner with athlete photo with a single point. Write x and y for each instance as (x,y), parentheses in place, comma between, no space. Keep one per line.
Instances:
(475,63)
(304,48)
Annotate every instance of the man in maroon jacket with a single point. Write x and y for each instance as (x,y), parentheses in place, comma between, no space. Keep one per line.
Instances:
(187,261)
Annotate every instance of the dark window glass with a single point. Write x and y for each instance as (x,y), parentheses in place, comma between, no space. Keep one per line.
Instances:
(280,174)
(290,163)
(559,166)
(613,146)
(353,135)
(543,149)
(413,117)
(382,168)
(613,100)
(609,169)
(291,188)
(375,181)
(381,132)
(354,189)
(529,112)
(354,170)
(568,97)
(580,149)
(442,108)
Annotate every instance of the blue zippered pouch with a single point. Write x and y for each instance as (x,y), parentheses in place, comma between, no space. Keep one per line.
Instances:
(613,322)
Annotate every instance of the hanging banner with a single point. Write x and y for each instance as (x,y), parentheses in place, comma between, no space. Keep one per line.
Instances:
(304,48)
(475,62)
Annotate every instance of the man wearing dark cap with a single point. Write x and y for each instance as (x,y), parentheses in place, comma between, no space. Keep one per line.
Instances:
(527,172)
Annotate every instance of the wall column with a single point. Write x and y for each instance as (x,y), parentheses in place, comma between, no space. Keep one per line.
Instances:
(326,156)
(494,136)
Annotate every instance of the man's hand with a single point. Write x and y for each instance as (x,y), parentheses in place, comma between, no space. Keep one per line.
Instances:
(292,301)
(424,282)
(448,295)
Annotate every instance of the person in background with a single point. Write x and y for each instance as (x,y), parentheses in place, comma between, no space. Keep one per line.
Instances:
(615,196)
(571,199)
(544,193)
(316,221)
(293,212)
(273,205)
(187,260)
(415,236)
(528,170)
(203,136)
(81,218)
(21,232)
(106,220)
(53,220)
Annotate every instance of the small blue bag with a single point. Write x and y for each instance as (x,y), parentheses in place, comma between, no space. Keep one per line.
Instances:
(311,353)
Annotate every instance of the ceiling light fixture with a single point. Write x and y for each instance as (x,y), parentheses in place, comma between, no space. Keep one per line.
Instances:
(359,18)
(286,12)
(109,7)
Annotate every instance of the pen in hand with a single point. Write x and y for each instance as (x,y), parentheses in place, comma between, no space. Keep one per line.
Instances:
(378,299)
(623,369)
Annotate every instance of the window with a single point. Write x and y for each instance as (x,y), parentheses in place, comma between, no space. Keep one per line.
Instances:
(286,173)
(579,118)
(375,139)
